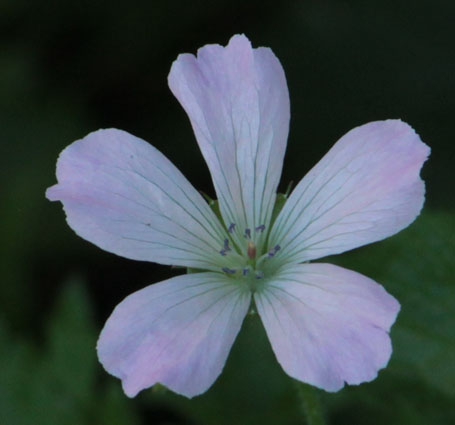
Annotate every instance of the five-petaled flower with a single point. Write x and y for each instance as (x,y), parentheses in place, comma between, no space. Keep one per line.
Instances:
(327,325)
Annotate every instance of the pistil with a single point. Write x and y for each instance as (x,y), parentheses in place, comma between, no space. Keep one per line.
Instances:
(251,250)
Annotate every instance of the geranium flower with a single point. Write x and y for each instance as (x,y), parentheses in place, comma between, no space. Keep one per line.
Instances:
(327,325)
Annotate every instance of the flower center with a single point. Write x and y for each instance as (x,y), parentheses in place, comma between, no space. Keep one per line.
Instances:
(246,255)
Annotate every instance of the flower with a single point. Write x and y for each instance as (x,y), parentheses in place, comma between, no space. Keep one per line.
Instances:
(327,325)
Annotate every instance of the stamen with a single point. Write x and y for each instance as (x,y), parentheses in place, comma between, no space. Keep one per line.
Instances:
(248,233)
(228,270)
(245,271)
(231,228)
(259,274)
(226,245)
(251,250)
(273,251)
(260,228)
(226,248)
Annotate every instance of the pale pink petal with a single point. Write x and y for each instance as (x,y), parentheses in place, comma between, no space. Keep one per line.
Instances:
(238,104)
(178,333)
(366,188)
(327,325)
(124,196)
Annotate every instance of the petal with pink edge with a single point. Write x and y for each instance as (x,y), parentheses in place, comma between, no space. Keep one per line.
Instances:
(177,332)
(238,103)
(366,188)
(327,325)
(123,195)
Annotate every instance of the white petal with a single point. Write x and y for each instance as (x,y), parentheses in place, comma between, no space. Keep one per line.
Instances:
(328,325)
(178,333)
(123,195)
(366,188)
(237,100)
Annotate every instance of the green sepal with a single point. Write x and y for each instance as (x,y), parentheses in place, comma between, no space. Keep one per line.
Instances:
(159,389)
(214,205)
(190,270)
(281,199)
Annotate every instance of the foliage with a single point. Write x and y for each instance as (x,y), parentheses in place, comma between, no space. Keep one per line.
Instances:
(55,381)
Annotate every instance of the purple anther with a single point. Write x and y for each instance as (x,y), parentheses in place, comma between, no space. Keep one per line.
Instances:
(259,275)
(231,228)
(228,270)
(226,245)
(248,233)
(260,228)
(273,251)
(226,248)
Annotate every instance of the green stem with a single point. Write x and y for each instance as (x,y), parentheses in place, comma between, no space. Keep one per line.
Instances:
(310,404)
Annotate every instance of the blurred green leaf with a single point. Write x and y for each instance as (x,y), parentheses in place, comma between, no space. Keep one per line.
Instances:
(391,400)
(56,382)
(71,340)
(17,359)
(252,389)
(114,408)
(65,376)
(418,268)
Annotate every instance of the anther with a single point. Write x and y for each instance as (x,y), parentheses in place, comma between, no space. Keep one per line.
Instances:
(260,228)
(245,271)
(231,228)
(226,248)
(248,233)
(273,251)
(228,270)
(259,275)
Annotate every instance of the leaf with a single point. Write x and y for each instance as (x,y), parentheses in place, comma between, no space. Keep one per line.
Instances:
(391,400)
(56,383)
(252,389)
(418,268)
(71,339)
(17,360)
(61,386)
(114,408)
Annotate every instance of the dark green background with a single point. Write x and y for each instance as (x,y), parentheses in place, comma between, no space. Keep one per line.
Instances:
(68,68)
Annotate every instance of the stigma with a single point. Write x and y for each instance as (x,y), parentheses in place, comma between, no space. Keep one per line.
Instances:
(252,251)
